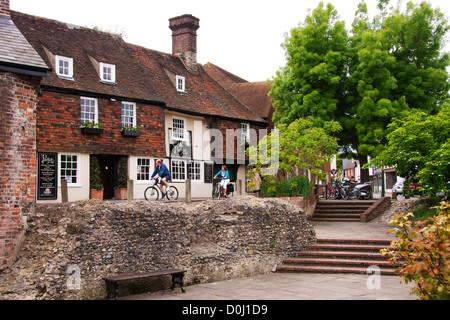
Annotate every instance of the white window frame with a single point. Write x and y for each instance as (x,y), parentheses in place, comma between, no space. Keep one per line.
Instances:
(181,84)
(175,133)
(175,172)
(133,116)
(69,61)
(84,119)
(193,171)
(245,132)
(77,169)
(112,68)
(150,169)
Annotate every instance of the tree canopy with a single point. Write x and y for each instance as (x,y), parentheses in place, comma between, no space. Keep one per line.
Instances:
(419,147)
(366,77)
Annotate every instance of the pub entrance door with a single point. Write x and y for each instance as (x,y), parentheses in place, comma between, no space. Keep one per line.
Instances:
(109,165)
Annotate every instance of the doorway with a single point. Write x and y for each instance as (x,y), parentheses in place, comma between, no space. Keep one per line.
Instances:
(109,165)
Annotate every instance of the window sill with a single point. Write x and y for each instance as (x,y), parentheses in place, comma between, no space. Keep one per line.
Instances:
(65,77)
(108,82)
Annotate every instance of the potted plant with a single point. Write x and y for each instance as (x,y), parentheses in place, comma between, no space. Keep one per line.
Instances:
(91,128)
(131,131)
(120,190)
(95,183)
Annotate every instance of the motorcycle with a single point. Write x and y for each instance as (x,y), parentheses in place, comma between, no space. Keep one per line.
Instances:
(365,189)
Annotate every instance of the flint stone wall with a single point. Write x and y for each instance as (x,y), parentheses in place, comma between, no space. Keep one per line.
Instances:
(213,240)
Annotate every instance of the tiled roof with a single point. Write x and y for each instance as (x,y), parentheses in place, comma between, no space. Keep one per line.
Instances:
(252,94)
(14,48)
(141,73)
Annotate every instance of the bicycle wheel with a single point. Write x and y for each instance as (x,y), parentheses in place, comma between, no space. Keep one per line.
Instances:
(332,192)
(172,193)
(151,194)
(215,192)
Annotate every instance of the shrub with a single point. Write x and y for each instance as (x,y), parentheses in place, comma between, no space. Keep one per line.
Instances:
(296,187)
(122,180)
(423,253)
(95,181)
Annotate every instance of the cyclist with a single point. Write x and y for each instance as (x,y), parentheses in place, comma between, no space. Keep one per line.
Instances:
(225,179)
(164,173)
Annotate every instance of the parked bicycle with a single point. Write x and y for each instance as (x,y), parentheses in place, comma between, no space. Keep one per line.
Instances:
(153,193)
(342,190)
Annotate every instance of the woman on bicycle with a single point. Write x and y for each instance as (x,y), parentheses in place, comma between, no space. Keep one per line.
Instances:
(225,178)
(164,173)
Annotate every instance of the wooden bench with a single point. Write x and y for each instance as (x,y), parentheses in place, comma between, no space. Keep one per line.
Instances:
(112,283)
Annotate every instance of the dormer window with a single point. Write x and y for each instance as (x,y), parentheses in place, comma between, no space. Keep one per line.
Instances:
(181,84)
(107,72)
(64,67)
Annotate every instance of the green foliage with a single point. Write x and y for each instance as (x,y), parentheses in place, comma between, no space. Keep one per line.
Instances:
(365,77)
(91,125)
(423,253)
(419,147)
(122,180)
(297,187)
(426,209)
(300,147)
(94,174)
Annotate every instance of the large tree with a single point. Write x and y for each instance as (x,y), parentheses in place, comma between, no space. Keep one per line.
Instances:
(419,147)
(366,77)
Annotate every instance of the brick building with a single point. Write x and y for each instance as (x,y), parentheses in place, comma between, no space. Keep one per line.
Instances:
(21,71)
(99,79)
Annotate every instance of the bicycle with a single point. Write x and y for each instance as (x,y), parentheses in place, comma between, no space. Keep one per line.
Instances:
(152,193)
(338,190)
(217,191)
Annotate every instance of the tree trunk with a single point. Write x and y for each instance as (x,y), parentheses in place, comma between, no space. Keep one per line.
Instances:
(364,172)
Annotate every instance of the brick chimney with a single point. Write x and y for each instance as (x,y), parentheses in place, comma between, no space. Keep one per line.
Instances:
(4,7)
(184,38)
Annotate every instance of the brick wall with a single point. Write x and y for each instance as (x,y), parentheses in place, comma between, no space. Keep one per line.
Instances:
(17,158)
(59,120)
(232,143)
(4,7)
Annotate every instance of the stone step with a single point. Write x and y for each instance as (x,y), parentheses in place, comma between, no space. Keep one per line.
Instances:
(337,219)
(342,254)
(327,269)
(338,211)
(346,247)
(335,262)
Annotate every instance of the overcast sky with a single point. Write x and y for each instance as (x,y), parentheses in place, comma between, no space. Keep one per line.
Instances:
(241,36)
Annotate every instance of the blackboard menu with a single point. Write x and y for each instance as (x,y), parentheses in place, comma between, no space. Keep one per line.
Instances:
(47,176)
(208,172)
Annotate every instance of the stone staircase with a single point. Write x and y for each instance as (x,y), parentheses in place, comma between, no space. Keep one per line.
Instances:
(340,256)
(341,210)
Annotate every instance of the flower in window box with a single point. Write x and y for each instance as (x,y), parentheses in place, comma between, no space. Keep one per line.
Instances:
(129,130)
(91,127)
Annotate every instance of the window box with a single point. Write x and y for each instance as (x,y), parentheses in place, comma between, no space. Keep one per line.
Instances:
(87,130)
(129,133)
(91,128)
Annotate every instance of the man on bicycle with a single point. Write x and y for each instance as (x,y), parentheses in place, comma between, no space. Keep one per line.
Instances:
(164,173)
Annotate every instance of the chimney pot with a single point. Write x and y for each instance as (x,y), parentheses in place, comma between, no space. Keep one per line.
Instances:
(184,34)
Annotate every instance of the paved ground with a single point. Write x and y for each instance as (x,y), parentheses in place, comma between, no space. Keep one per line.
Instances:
(302,286)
